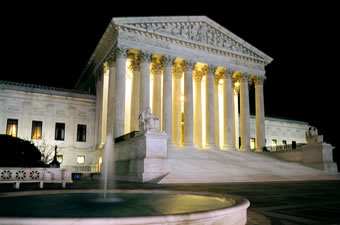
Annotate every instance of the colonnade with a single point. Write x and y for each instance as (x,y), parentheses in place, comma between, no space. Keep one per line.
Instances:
(185,96)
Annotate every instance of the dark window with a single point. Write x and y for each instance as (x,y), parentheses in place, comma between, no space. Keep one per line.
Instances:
(12,127)
(36,129)
(81,133)
(59,131)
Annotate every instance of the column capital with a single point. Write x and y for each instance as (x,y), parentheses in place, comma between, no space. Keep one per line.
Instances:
(229,73)
(122,52)
(145,56)
(156,68)
(135,65)
(259,80)
(218,77)
(168,60)
(177,70)
(189,64)
(211,69)
(197,75)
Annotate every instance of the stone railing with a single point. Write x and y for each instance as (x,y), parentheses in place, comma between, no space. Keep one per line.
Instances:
(17,175)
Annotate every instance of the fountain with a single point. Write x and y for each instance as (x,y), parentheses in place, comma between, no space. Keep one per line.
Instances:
(112,206)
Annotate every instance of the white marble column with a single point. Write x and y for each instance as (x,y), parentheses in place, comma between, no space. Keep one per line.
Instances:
(217,78)
(176,103)
(198,76)
(135,94)
(119,92)
(188,105)
(108,101)
(236,89)
(167,94)
(99,102)
(244,112)
(156,70)
(260,116)
(210,115)
(145,58)
(228,95)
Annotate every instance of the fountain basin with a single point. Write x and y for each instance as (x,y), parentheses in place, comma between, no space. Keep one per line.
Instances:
(121,207)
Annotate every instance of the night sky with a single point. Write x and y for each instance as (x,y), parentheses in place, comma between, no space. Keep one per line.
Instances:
(51,46)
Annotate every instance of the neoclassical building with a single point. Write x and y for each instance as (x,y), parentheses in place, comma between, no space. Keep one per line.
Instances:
(193,73)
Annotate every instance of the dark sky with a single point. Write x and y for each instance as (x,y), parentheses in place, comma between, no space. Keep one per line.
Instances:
(51,46)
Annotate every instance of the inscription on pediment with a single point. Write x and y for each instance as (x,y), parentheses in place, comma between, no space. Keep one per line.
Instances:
(199,32)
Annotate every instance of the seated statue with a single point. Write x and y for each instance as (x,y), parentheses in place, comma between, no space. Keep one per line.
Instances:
(312,136)
(148,121)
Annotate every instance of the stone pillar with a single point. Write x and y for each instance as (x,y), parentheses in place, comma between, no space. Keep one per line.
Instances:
(188,105)
(229,132)
(260,118)
(167,95)
(210,115)
(198,76)
(244,113)
(145,58)
(135,94)
(236,89)
(156,70)
(99,102)
(119,92)
(217,78)
(108,101)
(176,101)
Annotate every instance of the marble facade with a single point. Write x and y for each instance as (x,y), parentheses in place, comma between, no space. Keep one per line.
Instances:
(193,74)
(176,66)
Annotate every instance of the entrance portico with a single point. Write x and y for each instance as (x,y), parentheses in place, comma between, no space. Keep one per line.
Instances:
(183,62)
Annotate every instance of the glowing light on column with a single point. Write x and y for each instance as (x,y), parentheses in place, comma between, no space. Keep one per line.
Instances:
(128,87)
(220,112)
(203,93)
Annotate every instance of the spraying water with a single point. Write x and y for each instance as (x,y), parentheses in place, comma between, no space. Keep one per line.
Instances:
(108,164)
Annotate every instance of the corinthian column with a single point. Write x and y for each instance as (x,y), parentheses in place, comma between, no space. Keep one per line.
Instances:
(198,76)
(229,143)
(167,94)
(119,91)
(135,94)
(177,73)
(244,113)
(156,70)
(260,120)
(145,58)
(210,116)
(217,79)
(188,105)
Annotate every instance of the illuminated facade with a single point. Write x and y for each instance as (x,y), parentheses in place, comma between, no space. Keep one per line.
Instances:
(193,74)
(188,70)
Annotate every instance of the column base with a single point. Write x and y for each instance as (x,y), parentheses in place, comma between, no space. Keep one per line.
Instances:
(229,148)
(211,146)
(245,149)
(258,150)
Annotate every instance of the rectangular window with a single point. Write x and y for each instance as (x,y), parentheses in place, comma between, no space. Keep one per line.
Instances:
(60,158)
(252,143)
(80,159)
(59,131)
(36,129)
(274,144)
(12,127)
(81,133)
(284,144)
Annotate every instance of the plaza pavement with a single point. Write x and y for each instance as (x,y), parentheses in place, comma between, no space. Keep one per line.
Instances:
(276,203)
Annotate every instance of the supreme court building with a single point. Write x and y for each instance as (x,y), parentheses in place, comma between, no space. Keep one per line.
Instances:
(192,73)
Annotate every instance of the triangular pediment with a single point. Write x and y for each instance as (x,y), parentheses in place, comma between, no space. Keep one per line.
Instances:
(195,29)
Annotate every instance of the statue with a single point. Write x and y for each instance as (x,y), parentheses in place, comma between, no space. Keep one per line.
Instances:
(312,136)
(148,121)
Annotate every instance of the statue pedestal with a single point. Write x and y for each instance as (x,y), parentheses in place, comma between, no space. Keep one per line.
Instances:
(319,156)
(143,158)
